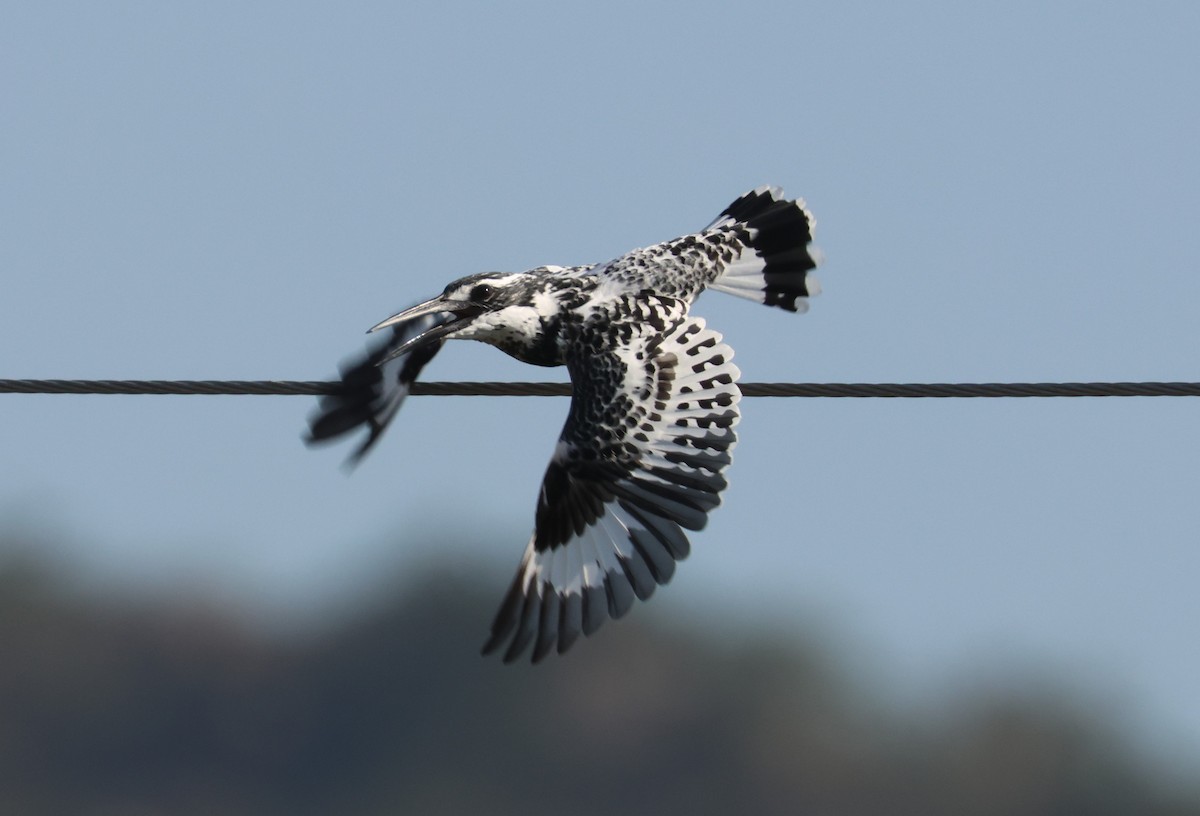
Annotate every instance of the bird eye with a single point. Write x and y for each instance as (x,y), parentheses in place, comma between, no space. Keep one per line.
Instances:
(482,292)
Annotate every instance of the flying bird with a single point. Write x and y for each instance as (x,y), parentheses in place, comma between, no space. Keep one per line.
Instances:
(654,403)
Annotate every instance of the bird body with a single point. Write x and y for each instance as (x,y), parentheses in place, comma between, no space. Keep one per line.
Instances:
(654,403)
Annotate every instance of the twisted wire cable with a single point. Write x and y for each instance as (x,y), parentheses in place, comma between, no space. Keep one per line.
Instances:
(559,389)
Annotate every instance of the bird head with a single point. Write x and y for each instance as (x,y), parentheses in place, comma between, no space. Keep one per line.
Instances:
(465,302)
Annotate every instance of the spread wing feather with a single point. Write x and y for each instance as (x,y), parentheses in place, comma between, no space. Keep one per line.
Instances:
(640,459)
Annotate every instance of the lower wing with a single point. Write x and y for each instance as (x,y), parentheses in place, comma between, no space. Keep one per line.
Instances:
(651,428)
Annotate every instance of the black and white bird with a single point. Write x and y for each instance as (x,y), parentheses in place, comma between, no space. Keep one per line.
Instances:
(654,403)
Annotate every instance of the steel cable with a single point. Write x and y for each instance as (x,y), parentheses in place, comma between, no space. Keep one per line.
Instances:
(557,389)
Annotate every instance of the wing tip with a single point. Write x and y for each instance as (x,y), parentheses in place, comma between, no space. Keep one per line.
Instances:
(373,386)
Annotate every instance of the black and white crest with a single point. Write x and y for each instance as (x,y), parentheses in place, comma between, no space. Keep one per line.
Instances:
(650,429)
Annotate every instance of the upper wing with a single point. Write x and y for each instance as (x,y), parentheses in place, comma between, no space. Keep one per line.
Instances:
(640,457)
(373,390)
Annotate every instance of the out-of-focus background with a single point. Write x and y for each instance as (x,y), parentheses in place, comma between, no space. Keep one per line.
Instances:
(903,606)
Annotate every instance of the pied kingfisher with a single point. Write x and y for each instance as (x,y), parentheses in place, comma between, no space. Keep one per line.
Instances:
(653,408)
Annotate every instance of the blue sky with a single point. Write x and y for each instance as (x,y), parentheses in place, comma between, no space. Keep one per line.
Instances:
(1002,191)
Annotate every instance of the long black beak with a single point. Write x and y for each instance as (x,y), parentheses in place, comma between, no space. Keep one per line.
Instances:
(458,313)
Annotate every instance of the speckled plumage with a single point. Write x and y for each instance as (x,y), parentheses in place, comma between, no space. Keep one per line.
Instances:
(651,422)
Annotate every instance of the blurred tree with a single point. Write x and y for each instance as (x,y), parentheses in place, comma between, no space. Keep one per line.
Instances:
(115,707)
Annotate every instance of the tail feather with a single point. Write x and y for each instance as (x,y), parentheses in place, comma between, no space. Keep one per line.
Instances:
(777,269)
